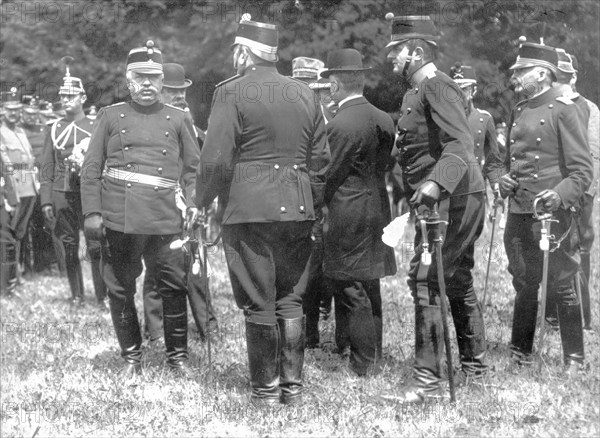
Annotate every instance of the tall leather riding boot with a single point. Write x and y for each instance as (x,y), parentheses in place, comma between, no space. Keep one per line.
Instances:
(99,286)
(262,342)
(523,327)
(74,274)
(292,333)
(175,329)
(342,337)
(429,348)
(585,290)
(8,274)
(470,336)
(571,333)
(127,329)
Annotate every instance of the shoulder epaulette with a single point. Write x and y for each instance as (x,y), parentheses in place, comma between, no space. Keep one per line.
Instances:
(565,100)
(227,80)
(482,111)
(114,105)
(175,107)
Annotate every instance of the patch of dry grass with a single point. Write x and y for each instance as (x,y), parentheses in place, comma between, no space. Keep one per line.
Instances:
(58,375)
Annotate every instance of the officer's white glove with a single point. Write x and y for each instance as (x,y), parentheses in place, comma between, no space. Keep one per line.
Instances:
(427,194)
(49,217)
(191,216)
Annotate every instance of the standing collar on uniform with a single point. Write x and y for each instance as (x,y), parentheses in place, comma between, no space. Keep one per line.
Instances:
(258,68)
(541,99)
(155,107)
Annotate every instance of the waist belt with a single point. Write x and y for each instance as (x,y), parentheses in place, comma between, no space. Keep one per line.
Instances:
(141,178)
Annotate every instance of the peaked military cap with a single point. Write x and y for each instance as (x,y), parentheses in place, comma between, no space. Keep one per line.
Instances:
(10,99)
(532,55)
(261,38)
(306,68)
(463,75)
(412,27)
(565,63)
(147,59)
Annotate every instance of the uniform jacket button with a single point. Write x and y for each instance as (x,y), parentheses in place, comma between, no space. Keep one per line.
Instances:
(126,148)
(295,167)
(537,157)
(277,168)
(477,145)
(538,140)
(481,120)
(302,208)
(513,159)
(155,188)
(512,141)
(542,122)
(164,152)
(535,175)
(168,117)
(166,134)
(514,124)
(408,110)
(479,131)
(122,131)
(122,115)
(282,209)
(551,106)
(128,185)
(160,169)
(129,166)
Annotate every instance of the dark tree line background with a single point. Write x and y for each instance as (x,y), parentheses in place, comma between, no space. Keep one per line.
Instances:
(198,34)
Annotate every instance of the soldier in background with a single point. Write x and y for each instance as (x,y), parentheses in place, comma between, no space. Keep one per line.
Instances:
(38,239)
(140,153)
(481,124)
(173,93)
(17,155)
(67,141)
(8,243)
(547,159)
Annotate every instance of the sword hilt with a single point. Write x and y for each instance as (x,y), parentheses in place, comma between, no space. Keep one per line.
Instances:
(430,218)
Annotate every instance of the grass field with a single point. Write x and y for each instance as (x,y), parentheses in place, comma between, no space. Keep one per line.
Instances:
(58,374)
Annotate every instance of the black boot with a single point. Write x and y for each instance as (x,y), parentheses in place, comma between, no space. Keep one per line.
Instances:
(292,359)
(175,329)
(127,329)
(75,278)
(429,348)
(99,286)
(571,334)
(470,336)
(523,328)
(585,290)
(262,341)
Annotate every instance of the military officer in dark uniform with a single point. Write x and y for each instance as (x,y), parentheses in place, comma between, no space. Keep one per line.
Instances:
(139,155)
(265,156)
(39,236)
(438,165)
(481,124)
(361,138)
(566,79)
(173,93)
(67,141)
(547,158)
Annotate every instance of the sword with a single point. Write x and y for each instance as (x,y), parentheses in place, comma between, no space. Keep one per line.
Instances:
(433,219)
(493,217)
(546,220)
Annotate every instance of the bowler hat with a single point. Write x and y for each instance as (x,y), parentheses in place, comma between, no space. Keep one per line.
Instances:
(412,27)
(343,60)
(175,76)
(260,38)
